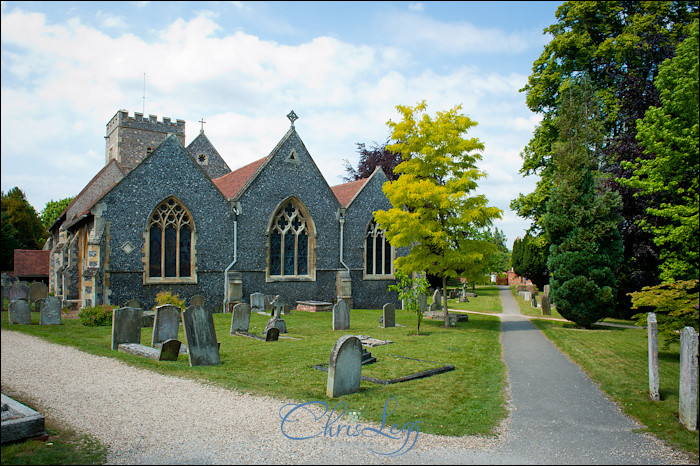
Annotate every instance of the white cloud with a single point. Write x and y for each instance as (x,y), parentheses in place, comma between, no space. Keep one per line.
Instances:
(110,21)
(416,7)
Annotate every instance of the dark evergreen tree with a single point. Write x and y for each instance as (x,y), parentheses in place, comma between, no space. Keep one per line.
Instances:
(377,155)
(21,222)
(529,259)
(581,220)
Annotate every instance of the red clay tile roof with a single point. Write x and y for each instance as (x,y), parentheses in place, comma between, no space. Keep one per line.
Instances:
(31,263)
(231,183)
(346,192)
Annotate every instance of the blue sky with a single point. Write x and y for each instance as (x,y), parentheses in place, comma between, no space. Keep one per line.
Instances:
(343,67)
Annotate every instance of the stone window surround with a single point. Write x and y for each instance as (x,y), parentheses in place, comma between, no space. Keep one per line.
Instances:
(311,251)
(373,229)
(192,279)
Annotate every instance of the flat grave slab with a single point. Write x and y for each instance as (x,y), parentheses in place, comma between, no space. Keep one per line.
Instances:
(314,306)
(19,422)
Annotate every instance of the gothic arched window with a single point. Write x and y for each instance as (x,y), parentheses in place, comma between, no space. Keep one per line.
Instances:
(291,236)
(379,254)
(170,243)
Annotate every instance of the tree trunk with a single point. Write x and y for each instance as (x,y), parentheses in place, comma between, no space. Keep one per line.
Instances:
(444,300)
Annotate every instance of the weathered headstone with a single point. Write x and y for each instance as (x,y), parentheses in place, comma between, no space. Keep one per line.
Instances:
(240,320)
(272,334)
(546,290)
(453,293)
(19,312)
(50,313)
(344,367)
(546,305)
(527,296)
(18,290)
(134,303)
(433,307)
(341,315)
(200,336)
(257,302)
(37,304)
(166,324)
(437,299)
(653,337)
(688,392)
(533,301)
(197,300)
(126,326)
(38,290)
(389,315)
(279,324)
(277,307)
(170,350)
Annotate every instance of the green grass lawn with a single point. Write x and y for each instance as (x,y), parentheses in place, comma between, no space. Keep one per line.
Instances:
(467,401)
(488,300)
(616,359)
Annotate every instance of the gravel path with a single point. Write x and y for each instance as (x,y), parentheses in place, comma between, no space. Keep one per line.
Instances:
(149,418)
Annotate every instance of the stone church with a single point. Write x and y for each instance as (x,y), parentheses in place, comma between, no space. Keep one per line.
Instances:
(162,215)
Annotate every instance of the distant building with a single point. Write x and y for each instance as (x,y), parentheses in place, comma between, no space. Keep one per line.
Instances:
(515,279)
(32,265)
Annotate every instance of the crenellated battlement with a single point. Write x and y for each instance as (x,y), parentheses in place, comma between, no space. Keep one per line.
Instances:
(149,123)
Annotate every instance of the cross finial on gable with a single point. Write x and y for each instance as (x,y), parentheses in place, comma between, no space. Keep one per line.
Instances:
(292,117)
(202,122)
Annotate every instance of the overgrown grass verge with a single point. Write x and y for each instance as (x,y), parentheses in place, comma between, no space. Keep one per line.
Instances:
(467,401)
(616,359)
(63,446)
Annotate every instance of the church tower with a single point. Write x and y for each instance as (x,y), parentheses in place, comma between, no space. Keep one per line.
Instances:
(130,139)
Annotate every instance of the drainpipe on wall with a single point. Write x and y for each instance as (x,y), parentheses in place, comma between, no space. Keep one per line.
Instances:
(341,219)
(235,257)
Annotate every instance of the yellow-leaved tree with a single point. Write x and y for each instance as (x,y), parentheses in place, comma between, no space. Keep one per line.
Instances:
(434,210)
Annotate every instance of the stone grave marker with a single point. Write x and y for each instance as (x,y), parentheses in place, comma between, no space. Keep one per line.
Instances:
(688,383)
(653,337)
(50,313)
(257,302)
(240,320)
(546,305)
(200,336)
(533,301)
(267,299)
(126,326)
(166,324)
(344,367)
(437,299)
(134,303)
(527,296)
(277,305)
(341,315)
(18,290)
(272,334)
(197,300)
(19,312)
(38,290)
(38,303)
(279,324)
(388,315)
(546,290)
(170,350)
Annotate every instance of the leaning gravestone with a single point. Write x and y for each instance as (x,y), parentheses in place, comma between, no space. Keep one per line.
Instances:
(272,334)
(257,302)
(126,326)
(166,324)
(197,300)
(50,313)
(388,315)
(344,367)
(19,312)
(546,305)
(688,392)
(200,337)
(653,337)
(341,315)
(18,290)
(240,321)
(38,290)
(279,324)
(437,299)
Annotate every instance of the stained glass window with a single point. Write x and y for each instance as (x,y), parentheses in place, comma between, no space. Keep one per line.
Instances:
(289,242)
(170,241)
(379,254)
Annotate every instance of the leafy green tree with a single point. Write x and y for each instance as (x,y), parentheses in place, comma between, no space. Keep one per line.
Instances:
(675,305)
(499,261)
(377,155)
(8,242)
(619,45)
(432,211)
(582,223)
(20,216)
(670,177)
(52,210)
(409,290)
(529,259)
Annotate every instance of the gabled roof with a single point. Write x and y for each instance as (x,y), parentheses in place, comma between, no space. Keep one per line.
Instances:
(32,263)
(348,192)
(105,179)
(232,183)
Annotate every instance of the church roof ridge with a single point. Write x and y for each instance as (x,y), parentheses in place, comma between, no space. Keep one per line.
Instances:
(346,193)
(232,183)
